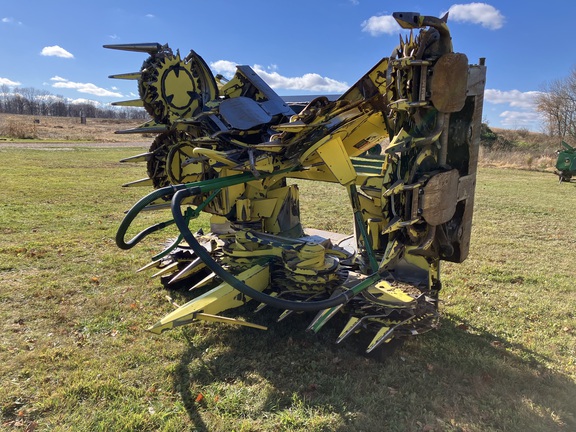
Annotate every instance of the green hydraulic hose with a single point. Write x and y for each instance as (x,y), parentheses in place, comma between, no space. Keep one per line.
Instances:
(198,187)
(190,214)
(135,211)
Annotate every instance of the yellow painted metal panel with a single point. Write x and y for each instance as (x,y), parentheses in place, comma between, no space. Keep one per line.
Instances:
(337,161)
(221,298)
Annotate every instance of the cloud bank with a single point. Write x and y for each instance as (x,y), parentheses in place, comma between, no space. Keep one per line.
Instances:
(88,88)
(525,114)
(308,82)
(476,13)
(514,98)
(518,119)
(8,82)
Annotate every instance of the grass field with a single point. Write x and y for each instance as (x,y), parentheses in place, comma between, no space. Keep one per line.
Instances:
(74,355)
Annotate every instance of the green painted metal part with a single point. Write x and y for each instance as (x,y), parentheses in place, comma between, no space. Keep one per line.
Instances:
(402,143)
(566,162)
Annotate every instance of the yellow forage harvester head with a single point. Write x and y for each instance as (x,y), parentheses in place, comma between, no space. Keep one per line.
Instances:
(402,143)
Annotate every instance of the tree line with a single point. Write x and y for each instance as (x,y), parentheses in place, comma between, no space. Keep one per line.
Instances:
(31,101)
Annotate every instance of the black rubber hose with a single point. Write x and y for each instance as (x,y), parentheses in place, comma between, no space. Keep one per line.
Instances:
(196,188)
(135,210)
(203,254)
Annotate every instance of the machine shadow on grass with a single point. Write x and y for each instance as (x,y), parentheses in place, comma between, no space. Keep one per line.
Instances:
(449,378)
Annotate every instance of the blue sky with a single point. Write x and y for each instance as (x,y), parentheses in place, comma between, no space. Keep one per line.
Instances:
(297,46)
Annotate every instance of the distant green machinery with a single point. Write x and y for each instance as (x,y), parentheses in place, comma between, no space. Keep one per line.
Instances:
(566,163)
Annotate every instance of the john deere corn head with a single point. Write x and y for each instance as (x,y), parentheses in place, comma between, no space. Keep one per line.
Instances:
(235,150)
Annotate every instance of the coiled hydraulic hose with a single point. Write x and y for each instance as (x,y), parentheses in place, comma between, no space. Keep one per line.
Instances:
(135,211)
(197,187)
(182,191)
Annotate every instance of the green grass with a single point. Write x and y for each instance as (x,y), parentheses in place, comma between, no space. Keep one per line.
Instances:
(74,354)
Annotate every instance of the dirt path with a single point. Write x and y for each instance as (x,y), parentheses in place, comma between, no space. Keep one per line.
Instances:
(40,145)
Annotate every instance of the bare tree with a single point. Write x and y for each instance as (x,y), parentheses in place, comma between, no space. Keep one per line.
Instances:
(18,102)
(4,97)
(29,96)
(59,109)
(558,105)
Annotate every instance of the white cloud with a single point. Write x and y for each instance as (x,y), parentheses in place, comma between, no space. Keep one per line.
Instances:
(382,24)
(355,2)
(56,51)
(150,16)
(519,119)
(9,82)
(522,112)
(477,13)
(514,98)
(224,67)
(307,82)
(52,98)
(89,88)
(84,101)
(10,20)
(49,98)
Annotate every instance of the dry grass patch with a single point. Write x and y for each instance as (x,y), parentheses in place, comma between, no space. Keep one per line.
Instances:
(522,149)
(15,127)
